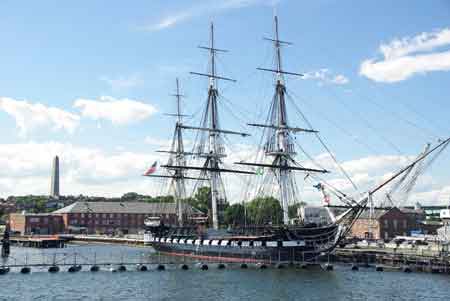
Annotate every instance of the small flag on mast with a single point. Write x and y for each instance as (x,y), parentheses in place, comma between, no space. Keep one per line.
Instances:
(326,198)
(151,170)
(319,186)
(259,171)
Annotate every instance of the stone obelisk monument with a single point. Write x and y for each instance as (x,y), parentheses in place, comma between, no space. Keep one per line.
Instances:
(54,186)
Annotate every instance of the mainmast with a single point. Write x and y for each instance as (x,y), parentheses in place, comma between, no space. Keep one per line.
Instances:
(211,145)
(215,149)
(279,145)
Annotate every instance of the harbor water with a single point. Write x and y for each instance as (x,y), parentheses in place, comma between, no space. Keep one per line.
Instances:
(231,283)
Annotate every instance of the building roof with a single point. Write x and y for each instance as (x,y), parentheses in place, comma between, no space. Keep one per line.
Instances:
(31,214)
(411,210)
(377,213)
(126,207)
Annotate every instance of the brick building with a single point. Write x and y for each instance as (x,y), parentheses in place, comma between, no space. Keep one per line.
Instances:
(117,217)
(36,223)
(386,224)
(416,217)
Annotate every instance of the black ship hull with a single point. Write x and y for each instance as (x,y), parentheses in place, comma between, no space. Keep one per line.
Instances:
(301,245)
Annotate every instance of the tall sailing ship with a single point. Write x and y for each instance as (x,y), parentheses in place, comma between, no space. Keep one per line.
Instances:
(291,240)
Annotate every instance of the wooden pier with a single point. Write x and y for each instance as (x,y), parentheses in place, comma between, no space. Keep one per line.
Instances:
(388,260)
(38,241)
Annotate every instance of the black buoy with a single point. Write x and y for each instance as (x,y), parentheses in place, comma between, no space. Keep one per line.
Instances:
(184,267)
(303,266)
(280,266)
(203,267)
(122,268)
(379,268)
(160,267)
(355,267)
(72,269)
(262,266)
(244,266)
(53,269)
(141,268)
(25,270)
(328,267)
(95,268)
(407,269)
(4,270)
(221,266)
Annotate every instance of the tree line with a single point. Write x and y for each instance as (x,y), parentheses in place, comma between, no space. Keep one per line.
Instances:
(261,210)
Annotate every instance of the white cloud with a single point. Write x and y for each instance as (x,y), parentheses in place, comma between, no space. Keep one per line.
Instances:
(84,170)
(118,111)
(158,142)
(206,8)
(408,56)
(122,82)
(423,42)
(97,171)
(340,79)
(30,116)
(376,164)
(325,76)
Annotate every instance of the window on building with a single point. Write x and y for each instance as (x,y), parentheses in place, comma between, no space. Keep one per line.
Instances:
(34,219)
(386,223)
(395,222)
(386,235)
(405,223)
(111,215)
(82,215)
(104,215)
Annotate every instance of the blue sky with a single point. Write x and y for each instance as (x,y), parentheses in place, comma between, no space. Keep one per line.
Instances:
(103,72)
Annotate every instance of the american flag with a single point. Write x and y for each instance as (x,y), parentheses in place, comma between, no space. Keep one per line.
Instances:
(326,199)
(152,169)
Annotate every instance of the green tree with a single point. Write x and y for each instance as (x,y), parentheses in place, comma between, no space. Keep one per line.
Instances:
(163,199)
(235,215)
(265,210)
(201,200)
(292,209)
(130,197)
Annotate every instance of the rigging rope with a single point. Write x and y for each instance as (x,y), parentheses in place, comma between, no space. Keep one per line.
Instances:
(367,123)
(323,143)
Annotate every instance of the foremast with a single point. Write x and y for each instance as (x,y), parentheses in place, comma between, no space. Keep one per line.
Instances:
(180,159)
(279,147)
(177,159)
